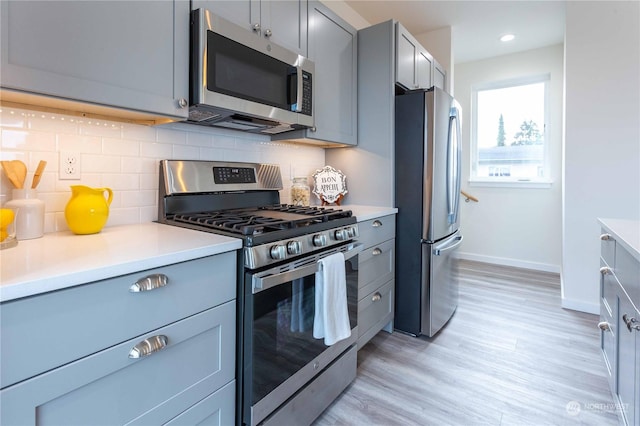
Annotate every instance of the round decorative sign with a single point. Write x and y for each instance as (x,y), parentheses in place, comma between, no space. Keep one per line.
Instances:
(330,185)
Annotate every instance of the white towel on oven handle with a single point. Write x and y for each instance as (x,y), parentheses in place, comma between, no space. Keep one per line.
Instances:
(331,319)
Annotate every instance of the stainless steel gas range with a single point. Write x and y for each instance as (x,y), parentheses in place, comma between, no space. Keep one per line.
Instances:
(284,374)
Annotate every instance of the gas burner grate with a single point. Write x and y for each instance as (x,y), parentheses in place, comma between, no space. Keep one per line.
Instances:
(257,221)
(326,213)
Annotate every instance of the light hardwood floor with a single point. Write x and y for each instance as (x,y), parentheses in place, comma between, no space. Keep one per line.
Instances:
(509,356)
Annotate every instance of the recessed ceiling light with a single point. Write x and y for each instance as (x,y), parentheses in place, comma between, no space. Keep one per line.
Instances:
(507,37)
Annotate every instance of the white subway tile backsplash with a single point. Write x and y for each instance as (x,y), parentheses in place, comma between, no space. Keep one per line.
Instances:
(80,143)
(138,132)
(20,139)
(168,135)
(125,148)
(131,164)
(101,128)
(50,122)
(12,119)
(125,157)
(100,163)
(122,181)
(200,139)
(185,152)
(155,150)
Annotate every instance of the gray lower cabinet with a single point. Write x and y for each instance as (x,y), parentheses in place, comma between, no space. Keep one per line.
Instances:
(620,325)
(376,269)
(103,353)
(333,47)
(282,21)
(87,55)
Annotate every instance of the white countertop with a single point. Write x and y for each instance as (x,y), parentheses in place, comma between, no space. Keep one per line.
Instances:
(363,213)
(626,232)
(63,259)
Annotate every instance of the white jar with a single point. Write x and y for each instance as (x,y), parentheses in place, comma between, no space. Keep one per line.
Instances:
(29,221)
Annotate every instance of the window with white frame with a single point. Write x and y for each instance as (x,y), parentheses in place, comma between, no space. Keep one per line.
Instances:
(509,132)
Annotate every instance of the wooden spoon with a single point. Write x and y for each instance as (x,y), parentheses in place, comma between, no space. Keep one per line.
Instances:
(20,170)
(38,174)
(10,172)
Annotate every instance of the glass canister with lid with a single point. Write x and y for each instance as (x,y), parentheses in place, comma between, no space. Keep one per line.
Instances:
(300,192)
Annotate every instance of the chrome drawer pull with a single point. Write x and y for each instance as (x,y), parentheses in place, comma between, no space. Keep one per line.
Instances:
(149,346)
(376,296)
(605,237)
(605,270)
(376,224)
(604,326)
(631,323)
(150,282)
(376,251)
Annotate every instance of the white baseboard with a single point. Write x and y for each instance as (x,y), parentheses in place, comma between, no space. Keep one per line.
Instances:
(504,261)
(578,305)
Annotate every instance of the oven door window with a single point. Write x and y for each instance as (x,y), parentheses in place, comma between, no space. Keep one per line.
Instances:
(239,71)
(283,339)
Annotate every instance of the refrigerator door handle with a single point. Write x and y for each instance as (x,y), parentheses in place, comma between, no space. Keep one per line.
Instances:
(437,251)
(454,152)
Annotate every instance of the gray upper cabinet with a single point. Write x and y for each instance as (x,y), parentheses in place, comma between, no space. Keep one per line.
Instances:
(439,75)
(414,64)
(282,21)
(91,56)
(416,68)
(424,67)
(333,48)
(406,58)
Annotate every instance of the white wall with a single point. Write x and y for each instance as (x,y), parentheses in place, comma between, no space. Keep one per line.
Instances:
(602,136)
(125,158)
(514,226)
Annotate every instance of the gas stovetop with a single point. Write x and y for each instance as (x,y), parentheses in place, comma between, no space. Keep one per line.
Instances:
(263,220)
(242,200)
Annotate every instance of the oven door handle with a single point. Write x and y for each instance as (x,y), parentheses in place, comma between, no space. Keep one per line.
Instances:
(265,283)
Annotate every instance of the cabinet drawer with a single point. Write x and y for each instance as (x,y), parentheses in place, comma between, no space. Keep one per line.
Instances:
(217,409)
(375,267)
(375,231)
(608,248)
(627,270)
(110,388)
(375,310)
(82,320)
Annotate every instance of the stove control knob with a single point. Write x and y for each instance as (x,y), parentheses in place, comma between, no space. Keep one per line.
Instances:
(352,232)
(278,252)
(294,247)
(319,240)
(342,234)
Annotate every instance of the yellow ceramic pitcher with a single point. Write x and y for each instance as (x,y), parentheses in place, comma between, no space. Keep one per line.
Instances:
(87,211)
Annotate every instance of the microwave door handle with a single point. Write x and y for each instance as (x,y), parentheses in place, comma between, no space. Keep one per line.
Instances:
(298,89)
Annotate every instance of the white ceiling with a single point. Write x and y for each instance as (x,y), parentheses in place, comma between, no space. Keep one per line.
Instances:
(476,24)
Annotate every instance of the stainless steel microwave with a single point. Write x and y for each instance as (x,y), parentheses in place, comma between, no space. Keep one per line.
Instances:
(241,81)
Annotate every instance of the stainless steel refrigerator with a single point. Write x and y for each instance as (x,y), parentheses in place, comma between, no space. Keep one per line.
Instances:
(427,194)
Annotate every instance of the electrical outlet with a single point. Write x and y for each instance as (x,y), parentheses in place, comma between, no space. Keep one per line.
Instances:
(69,167)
